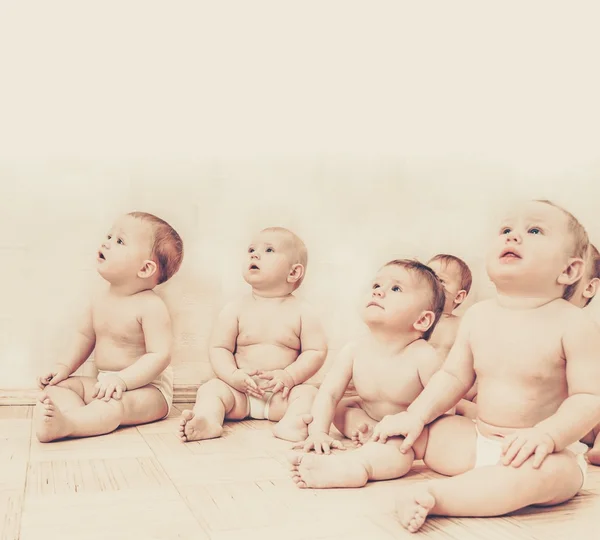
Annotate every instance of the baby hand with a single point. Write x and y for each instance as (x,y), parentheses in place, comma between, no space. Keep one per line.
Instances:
(109,386)
(519,446)
(59,373)
(405,423)
(242,381)
(321,442)
(279,381)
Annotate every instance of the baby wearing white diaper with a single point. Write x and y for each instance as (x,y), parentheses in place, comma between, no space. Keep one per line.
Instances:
(263,347)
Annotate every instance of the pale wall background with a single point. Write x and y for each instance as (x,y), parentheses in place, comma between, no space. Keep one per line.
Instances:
(379,131)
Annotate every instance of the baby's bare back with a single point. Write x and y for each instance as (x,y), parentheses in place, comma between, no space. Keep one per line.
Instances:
(268,334)
(388,384)
(119,335)
(519,363)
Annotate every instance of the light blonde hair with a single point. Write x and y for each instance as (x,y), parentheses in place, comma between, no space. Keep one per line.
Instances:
(297,249)
(580,241)
(167,246)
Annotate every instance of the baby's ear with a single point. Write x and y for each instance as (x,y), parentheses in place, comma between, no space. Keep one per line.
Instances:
(573,272)
(591,289)
(424,322)
(147,270)
(296,273)
(460,297)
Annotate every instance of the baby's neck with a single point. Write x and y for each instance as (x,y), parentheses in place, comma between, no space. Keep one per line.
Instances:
(127,289)
(392,341)
(511,301)
(271,294)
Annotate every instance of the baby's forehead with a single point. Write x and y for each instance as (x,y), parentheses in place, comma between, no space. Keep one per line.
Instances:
(535,211)
(133,227)
(273,238)
(449,269)
(398,273)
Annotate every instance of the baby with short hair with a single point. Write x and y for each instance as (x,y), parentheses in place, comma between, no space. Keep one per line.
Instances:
(535,357)
(128,326)
(264,347)
(456,278)
(389,365)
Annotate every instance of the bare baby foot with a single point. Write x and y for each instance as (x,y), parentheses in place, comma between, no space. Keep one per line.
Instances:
(51,423)
(361,435)
(593,454)
(328,471)
(412,507)
(293,429)
(196,428)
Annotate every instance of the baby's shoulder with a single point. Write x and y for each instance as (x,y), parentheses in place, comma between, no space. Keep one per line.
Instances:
(423,351)
(150,302)
(570,317)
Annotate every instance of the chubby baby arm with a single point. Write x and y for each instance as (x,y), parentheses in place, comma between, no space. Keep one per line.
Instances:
(329,395)
(442,391)
(156,325)
(580,412)
(79,349)
(222,345)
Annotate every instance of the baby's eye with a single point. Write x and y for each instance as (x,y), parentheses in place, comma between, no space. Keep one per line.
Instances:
(376,285)
(120,241)
(395,288)
(108,236)
(534,230)
(505,230)
(250,250)
(270,250)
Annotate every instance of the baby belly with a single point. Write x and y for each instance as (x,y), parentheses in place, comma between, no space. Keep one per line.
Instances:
(265,356)
(112,357)
(519,409)
(378,409)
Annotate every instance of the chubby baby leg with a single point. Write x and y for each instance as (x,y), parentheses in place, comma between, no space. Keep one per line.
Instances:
(293,413)
(351,469)
(71,394)
(352,421)
(491,491)
(215,400)
(97,417)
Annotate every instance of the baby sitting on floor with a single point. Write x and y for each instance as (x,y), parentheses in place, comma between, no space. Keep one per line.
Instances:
(390,366)
(129,328)
(263,347)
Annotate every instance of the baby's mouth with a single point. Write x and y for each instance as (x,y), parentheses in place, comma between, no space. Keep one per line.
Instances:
(101,256)
(509,254)
(254,267)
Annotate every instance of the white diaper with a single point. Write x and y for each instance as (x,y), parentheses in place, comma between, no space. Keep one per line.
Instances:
(163,383)
(489,452)
(258,408)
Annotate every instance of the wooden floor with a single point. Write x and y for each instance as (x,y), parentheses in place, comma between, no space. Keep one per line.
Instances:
(143,483)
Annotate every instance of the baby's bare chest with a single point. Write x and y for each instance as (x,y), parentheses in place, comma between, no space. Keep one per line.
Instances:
(257,325)
(525,350)
(388,379)
(117,321)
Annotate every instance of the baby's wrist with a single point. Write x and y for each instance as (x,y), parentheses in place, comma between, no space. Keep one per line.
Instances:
(290,376)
